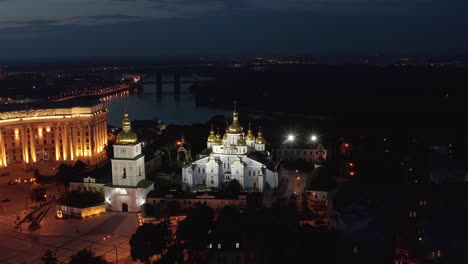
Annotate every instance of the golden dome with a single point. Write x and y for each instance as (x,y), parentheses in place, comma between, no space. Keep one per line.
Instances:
(241,141)
(225,137)
(211,137)
(235,127)
(218,140)
(126,136)
(250,135)
(260,139)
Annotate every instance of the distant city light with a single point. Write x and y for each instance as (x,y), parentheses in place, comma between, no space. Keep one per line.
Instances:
(351,164)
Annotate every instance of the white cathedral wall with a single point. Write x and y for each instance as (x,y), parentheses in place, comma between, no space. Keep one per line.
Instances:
(237,173)
(115,197)
(134,170)
(271,177)
(250,172)
(141,194)
(259,147)
(186,177)
(127,151)
(232,138)
(198,171)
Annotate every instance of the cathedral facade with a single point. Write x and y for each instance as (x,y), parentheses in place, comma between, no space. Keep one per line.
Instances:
(235,155)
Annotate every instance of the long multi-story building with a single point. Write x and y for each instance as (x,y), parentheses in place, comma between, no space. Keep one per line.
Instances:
(53,131)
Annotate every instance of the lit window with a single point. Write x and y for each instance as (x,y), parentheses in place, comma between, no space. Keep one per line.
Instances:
(237,245)
(219,246)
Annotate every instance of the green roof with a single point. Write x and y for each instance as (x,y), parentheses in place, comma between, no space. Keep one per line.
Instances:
(144,184)
(141,184)
(135,158)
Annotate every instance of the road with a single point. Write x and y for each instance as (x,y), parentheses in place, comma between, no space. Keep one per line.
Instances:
(294,186)
(296,182)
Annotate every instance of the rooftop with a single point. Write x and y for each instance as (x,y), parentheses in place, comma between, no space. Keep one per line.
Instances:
(49,105)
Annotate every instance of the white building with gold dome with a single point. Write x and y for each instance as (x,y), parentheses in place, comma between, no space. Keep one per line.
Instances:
(236,155)
(129,188)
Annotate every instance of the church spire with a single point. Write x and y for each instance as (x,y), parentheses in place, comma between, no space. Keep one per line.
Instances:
(126,124)
(235,127)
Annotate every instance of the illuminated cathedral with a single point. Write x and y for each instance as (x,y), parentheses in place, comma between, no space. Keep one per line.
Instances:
(235,155)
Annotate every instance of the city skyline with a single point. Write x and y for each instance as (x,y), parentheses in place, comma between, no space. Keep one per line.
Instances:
(180,27)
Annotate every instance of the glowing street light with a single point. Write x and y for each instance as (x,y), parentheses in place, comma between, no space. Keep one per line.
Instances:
(313,138)
(290,138)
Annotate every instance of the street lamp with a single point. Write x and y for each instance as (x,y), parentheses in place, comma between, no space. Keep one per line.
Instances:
(290,138)
(313,138)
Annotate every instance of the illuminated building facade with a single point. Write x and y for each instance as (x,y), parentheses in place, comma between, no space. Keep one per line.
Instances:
(53,132)
(312,154)
(129,188)
(236,155)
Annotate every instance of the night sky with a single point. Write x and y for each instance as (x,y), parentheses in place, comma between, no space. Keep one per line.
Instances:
(63,28)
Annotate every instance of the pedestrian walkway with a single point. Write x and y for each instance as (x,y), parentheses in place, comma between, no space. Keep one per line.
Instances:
(108,235)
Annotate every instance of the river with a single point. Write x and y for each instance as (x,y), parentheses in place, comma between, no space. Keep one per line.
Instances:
(167,107)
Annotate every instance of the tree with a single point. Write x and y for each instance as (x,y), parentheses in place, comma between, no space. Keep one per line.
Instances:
(49,257)
(174,254)
(79,167)
(87,256)
(233,187)
(228,228)
(37,193)
(82,199)
(195,230)
(173,207)
(149,240)
(63,175)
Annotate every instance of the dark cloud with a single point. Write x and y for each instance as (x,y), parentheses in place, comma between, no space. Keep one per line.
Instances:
(35,22)
(247,27)
(161,6)
(226,3)
(114,17)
